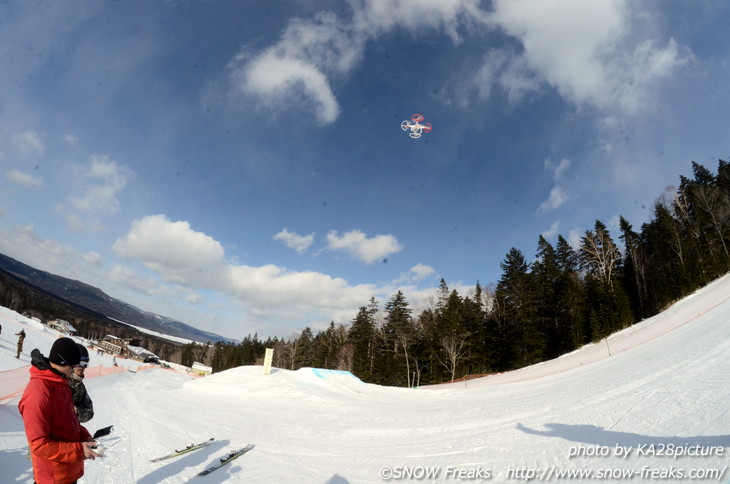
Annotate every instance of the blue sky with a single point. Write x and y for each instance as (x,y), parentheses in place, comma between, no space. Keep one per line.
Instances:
(240,166)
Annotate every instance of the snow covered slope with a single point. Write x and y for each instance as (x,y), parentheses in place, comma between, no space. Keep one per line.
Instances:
(664,391)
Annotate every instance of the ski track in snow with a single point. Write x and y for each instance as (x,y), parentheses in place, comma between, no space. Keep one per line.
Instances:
(667,382)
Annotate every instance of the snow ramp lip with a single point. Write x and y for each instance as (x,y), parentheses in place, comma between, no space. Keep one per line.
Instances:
(326,377)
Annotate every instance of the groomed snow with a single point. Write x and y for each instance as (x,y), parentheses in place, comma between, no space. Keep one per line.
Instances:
(664,390)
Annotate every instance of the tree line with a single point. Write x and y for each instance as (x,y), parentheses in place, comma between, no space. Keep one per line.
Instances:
(560,300)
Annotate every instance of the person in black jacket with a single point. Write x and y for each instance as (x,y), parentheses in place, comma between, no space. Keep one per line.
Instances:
(82,402)
(21,338)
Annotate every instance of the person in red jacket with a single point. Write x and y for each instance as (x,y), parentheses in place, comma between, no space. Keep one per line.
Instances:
(58,442)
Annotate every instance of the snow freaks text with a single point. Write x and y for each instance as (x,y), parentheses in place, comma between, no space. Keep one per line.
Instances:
(671,454)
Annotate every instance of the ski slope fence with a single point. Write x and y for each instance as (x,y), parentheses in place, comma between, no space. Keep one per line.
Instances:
(13,382)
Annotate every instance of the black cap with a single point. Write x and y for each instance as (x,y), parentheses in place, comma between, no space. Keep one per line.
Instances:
(64,352)
(84,353)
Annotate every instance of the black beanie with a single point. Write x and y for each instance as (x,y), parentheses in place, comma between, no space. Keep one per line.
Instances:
(64,352)
(83,352)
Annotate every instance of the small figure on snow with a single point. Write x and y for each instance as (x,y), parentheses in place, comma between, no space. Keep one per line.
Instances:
(21,338)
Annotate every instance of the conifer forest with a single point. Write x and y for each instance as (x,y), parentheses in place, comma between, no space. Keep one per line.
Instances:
(549,300)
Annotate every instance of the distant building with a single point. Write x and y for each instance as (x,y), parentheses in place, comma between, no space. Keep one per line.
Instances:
(201,369)
(62,326)
(140,352)
(115,345)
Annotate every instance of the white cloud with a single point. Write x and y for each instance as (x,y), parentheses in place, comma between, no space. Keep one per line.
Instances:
(185,263)
(574,237)
(298,68)
(559,169)
(552,231)
(583,49)
(279,80)
(557,198)
(415,274)
(359,246)
(376,17)
(558,195)
(270,286)
(128,278)
(300,243)
(71,139)
(29,142)
(422,271)
(648,64)
(195,260)
(172,249)
(103,179)
(591,53)
(93,258)
(23,179)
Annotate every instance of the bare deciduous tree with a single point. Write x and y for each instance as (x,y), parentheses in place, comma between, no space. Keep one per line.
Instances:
(598,253)
(713,201)
(454,350)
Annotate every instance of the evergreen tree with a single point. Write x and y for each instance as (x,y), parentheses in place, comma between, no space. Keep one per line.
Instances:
(475,325)
(634,267)
(187,357)
(667,270)
(304,356)
(520,341)
(362,335)
(571,305)
(399,335)
(546,276)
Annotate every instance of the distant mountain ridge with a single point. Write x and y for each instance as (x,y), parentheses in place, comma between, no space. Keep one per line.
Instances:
(97,300)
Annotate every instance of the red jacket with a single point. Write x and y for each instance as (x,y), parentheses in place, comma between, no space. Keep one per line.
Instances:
(51,426)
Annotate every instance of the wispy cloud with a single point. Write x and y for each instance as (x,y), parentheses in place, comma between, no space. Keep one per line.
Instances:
(416,274)
(311,53)
(71,139)
(552,232)
(559,169)
(558,195)
(23,179)
(557,198)
(100,183)
(300,243)
(361,247)
(589,52)
(30,142)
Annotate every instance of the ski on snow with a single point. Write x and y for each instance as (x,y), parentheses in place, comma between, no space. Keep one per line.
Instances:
(225,460)
(186,450)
